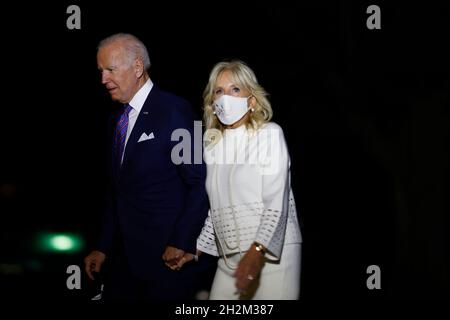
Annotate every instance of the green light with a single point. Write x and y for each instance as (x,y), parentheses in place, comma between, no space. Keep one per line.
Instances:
(62,243)
(59,242)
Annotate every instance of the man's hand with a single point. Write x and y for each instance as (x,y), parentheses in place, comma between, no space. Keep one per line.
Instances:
(93,262)
(186,258)
(172,256)
(248,269)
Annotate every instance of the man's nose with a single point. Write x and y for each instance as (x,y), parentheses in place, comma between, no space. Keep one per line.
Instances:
(105,78)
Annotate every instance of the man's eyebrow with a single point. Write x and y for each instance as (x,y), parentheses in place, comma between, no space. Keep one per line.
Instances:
(107,68)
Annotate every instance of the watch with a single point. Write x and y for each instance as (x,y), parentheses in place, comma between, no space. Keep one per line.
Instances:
(260,248)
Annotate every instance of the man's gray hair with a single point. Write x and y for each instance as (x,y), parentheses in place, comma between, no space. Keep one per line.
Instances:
(134,47)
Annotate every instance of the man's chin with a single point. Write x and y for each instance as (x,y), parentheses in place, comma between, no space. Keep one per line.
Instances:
(114,97)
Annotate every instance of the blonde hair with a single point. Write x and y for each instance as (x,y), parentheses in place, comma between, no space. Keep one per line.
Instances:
(244,77)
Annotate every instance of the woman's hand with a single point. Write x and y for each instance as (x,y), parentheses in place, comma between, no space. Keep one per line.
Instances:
(248,269)
(185,258)
(172,256)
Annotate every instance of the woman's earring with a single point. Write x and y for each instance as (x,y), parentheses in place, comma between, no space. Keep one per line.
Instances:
(252,109)
(214,112)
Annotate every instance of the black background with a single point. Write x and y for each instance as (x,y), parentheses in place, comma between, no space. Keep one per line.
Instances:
(365,113)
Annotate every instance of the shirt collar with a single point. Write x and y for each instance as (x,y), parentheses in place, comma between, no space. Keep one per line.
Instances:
(139,98)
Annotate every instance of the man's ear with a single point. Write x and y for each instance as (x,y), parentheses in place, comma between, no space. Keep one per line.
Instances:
(138,68)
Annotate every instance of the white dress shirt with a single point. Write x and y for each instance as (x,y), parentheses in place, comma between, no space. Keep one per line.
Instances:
(136,103)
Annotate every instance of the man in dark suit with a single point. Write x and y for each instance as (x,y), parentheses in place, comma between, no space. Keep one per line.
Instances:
(156,206)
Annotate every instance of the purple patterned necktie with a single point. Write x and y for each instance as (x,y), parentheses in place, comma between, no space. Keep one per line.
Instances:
(121,133)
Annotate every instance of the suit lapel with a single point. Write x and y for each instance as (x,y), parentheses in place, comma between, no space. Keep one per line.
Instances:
(139,127)
(115,166)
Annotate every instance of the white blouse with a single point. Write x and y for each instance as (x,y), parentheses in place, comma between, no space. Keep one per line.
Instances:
(250,195)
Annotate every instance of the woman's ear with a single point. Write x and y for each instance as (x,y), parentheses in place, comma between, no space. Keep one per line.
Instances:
(252,102)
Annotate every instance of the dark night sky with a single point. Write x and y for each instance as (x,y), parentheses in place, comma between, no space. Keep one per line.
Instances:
(365,113)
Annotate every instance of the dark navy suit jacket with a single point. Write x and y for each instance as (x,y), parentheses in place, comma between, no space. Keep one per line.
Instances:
(154,202)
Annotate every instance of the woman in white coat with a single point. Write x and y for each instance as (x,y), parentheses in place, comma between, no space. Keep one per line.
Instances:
(252,224)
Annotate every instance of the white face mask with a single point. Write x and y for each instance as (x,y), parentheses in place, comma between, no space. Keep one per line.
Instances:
(230,109)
